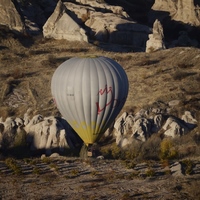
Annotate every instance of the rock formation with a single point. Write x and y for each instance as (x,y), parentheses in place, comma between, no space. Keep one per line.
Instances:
(146,122)
(95,22)
(155,41)
(100,22)
(10,17)
(61,26)
(179,10)
(114,29)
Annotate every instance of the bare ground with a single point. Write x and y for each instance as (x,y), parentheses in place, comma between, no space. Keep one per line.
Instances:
(72,178)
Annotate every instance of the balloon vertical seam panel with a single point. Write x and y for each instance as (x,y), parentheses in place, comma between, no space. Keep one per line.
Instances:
(94,98)
(86,100)
(77,86)
(69,103)
(69,91)
(108,90)
(61,89)
(118,84)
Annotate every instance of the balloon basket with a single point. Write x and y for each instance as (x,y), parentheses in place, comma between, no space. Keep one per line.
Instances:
(89,151)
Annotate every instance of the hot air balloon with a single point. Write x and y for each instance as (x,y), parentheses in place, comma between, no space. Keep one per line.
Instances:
(89,93)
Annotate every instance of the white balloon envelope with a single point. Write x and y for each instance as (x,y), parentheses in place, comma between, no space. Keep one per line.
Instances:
(89,93)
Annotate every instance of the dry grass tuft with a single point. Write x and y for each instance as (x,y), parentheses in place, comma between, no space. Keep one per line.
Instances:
(180,74)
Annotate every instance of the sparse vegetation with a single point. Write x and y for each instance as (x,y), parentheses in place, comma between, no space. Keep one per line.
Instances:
(94,173)
(36,170)
(74,172)
(130,164)
(53,166)
(46,160)
(14,166)
(181,74)
(168,149)
(150,172)
(188,166)
(126,196)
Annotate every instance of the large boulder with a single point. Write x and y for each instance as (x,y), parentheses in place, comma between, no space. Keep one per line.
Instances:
(190,121)
(61,26)
(10,17)
(174,127)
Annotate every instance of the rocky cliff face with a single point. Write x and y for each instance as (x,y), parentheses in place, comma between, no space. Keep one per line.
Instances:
(184,11)
(122,22)
(177,16)
(10,16)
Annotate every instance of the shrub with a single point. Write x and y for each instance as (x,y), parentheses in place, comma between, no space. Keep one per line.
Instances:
(167,149)
(12,164)
(46,160)
(53,166)
(74,172)
(150,172)
(113,152)
(116,152)
(130,164)
(188,166)
(36,170)
(150,149)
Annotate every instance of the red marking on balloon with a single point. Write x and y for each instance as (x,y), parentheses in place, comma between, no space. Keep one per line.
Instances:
(104,91)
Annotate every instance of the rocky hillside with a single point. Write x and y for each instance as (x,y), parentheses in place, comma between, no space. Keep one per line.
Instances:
(165,80)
